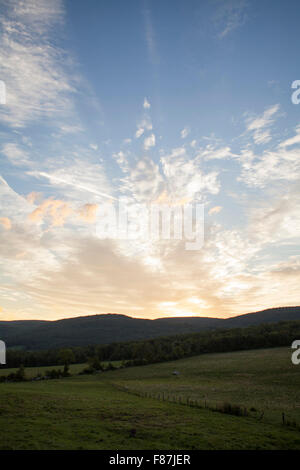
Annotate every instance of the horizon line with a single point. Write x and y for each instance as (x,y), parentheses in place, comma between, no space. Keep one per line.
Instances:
(157,318)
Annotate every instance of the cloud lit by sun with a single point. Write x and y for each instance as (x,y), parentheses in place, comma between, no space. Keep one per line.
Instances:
(149,126)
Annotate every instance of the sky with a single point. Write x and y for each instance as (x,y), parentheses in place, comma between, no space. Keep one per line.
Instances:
(155,103)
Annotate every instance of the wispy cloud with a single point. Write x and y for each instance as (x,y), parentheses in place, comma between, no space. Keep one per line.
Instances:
(213,152)
(229,16)
(121,160)
(5,222)
(185,132)
(292,140)
(57,211)
(144,125)
(215,210)
(260,125)
(15,154)
(33,69)
(146,104)
(149,142)
(279,164)
(79,181)
(185,178)
(149,34)
(88,212)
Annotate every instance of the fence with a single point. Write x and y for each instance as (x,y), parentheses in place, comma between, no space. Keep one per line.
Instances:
(226,408)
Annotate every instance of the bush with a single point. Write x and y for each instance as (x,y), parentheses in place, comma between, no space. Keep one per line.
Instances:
(55,374)
(95,363)
(19,376)
(230,409)
(87,370)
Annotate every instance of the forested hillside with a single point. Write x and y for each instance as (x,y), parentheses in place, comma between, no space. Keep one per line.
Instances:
(108,328)
(165,348)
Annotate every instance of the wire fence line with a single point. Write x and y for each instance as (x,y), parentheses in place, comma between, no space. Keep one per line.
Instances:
(226,407)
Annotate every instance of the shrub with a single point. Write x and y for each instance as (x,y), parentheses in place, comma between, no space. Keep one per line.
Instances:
(230,409)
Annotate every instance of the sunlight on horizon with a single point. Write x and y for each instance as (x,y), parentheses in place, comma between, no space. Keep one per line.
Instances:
(93,116)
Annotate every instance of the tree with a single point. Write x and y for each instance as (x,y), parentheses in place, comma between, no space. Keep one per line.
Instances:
(20,374)
(95,363)
(66,357)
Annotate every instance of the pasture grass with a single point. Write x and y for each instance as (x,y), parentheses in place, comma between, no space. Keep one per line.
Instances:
(93,412)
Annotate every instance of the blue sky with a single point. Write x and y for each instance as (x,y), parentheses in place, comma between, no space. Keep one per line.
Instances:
(161,102)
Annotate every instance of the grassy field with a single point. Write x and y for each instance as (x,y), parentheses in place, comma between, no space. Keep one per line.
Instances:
(94,412)
(263,379)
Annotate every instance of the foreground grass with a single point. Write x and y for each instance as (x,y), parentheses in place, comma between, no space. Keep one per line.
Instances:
(90,412)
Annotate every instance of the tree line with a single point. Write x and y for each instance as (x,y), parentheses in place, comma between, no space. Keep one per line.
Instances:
(165,348)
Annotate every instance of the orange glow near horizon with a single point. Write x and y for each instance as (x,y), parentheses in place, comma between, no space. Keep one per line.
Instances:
(10,316)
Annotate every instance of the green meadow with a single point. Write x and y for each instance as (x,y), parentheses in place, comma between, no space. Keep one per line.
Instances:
(148,407)
(264,379)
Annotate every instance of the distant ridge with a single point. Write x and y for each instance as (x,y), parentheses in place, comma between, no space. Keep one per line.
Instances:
(108,328)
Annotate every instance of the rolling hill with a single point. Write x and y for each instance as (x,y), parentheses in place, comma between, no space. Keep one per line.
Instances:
(108,328)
